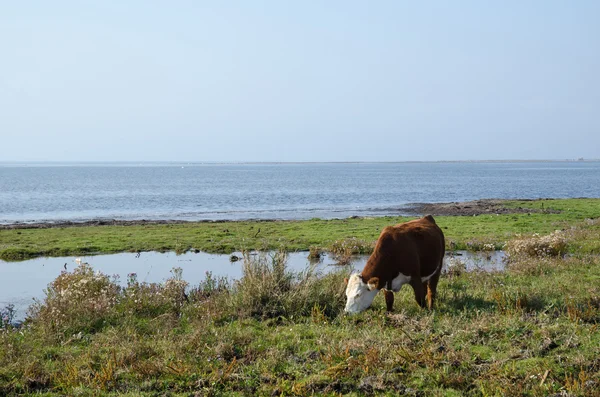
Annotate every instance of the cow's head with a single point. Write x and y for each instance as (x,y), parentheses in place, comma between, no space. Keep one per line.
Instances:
(360,295)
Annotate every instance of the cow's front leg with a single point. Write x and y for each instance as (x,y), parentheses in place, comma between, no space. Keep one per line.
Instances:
(389,299)
(420,295)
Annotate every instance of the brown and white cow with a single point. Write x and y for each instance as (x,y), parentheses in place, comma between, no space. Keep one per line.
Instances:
(411,252)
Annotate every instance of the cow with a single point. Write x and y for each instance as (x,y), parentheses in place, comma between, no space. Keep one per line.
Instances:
(408,253)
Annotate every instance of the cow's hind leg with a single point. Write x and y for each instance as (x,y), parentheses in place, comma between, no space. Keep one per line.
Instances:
(432,290)
(389,299)
(419,291)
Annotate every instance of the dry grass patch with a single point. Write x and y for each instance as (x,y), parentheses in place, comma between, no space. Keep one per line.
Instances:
(553,244)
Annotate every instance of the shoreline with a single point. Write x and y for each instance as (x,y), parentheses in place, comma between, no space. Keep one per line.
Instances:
(466,225)
(455,208)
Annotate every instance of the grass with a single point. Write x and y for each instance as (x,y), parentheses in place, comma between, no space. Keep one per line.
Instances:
(334,235)
(532,330)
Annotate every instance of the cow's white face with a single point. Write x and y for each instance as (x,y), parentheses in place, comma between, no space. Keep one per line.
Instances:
(360,295)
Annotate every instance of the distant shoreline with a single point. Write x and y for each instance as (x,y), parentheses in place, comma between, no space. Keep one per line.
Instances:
(463,208)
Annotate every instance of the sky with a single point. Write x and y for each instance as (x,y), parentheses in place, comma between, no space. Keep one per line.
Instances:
(299,81)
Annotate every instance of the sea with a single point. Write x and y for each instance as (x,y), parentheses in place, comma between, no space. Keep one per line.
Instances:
(54,192)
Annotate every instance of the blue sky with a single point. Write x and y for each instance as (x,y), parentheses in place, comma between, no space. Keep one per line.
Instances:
(302,81)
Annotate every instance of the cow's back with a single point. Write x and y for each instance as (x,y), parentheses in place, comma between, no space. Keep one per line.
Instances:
(414,248)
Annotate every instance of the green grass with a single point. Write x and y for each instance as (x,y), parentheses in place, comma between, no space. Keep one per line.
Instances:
(530,331)
(226,237)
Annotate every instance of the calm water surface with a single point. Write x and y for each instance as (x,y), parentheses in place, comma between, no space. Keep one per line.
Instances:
(39,192)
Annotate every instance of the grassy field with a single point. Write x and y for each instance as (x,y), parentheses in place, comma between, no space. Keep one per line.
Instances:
(226,237)
(532,330)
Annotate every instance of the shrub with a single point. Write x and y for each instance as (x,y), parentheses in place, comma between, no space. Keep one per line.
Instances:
(77,301)
(85,301)
(480,245)
(342,250)
(314,254)
(268,289)
(154,299)
(554,244)
(209,287)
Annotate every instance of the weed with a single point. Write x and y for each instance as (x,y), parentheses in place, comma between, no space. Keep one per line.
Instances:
(80,301)
(342,250)
(268,290)
(208,287)
(7,316)
(554,244)
(587,311)
(314,253)
(509,302)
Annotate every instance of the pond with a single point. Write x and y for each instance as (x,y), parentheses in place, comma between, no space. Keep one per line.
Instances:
(21,282)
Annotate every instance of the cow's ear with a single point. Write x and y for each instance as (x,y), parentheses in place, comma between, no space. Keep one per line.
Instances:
(373,283)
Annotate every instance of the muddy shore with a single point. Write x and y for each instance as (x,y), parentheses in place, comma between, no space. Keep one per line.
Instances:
(465,208)
(470,208)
